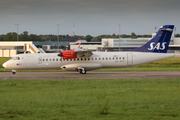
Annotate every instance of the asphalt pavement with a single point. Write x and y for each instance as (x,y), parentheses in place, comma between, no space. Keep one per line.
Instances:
(90,75)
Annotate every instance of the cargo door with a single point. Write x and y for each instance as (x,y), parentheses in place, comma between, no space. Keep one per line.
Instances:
(129,59)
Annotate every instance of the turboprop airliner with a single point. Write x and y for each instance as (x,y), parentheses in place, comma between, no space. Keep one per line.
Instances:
(81,60)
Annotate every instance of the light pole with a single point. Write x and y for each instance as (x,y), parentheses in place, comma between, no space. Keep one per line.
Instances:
(119,35)
(58,34)
(73,29)
(17,31)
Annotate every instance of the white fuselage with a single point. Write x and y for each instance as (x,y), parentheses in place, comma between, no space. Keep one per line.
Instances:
(96,61)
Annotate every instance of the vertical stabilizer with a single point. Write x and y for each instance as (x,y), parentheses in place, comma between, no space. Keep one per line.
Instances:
(158,44)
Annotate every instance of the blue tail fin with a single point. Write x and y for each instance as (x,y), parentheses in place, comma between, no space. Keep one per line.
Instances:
(158,44)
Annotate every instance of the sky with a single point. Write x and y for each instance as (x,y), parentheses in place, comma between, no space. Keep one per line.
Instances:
(91,17)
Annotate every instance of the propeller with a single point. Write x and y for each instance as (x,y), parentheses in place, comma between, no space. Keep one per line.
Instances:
(60,55)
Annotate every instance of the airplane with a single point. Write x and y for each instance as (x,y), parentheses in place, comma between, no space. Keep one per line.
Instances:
(81,60)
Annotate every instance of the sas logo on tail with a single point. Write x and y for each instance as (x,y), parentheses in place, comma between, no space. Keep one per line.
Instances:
(157,46)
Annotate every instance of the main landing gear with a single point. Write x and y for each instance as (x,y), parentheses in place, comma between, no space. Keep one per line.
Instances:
(13,72)
(81,70)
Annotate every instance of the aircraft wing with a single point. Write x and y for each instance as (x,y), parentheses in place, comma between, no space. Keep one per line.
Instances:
(83,53)
(76,53)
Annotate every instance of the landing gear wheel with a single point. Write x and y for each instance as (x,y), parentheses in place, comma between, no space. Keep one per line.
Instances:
(82,71)
(13,72)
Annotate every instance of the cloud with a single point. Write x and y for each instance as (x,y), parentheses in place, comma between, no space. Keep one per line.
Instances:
(83,7)
(96,15)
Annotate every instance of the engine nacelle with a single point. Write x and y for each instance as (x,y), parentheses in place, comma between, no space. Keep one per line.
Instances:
(70,54)
(86,66)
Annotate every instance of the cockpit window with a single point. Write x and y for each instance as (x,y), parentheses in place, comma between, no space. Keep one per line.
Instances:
(15,58)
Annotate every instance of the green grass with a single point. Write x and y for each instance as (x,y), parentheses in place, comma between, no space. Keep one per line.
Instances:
(169,64)
(145,99)
(3,60)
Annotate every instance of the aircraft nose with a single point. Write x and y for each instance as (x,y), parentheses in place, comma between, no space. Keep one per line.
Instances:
(5,65)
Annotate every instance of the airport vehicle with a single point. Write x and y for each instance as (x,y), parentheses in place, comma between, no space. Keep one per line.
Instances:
(81,60)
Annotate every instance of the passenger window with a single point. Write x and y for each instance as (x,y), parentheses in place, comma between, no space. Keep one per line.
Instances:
(53,59)
(116,58)
(102,58)
(46,59)
(81,59)
(91,58)
(113,58)
(56,59)
(106,58)
(43,59)
(109,58)
(74,59)
(123,58)
(95,58)
(88,58)
(49,59)
(119,57)
(60,59)
(85,59)
(77,59)
(99,58)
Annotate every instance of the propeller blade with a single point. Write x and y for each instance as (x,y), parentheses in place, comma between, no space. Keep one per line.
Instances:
(60,54)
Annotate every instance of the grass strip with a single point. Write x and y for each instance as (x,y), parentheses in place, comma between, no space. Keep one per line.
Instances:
(90,99)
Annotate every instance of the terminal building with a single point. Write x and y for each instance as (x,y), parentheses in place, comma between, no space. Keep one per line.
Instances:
(9,49)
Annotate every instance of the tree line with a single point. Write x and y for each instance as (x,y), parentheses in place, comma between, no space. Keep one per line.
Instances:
(12,36)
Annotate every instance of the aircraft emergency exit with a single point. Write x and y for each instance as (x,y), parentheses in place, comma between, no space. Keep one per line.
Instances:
(81,60)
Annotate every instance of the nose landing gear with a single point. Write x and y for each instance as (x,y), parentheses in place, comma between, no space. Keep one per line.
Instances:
(13,72)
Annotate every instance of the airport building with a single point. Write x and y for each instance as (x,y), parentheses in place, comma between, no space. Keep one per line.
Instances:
(9,49)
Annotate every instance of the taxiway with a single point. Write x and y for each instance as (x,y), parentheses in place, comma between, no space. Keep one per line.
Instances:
(90,75)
